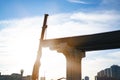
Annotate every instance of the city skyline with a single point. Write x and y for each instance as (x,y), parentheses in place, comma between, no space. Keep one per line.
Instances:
(20,28)
(107,73)
(15,76)
(110,73)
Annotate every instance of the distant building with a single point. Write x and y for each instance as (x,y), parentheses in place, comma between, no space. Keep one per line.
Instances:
(115,71)
(112,73)
(29,77)
(108,72)
(42,78)
(86,78)
(15,76)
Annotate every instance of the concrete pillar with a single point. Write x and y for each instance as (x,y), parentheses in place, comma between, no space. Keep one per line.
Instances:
(74,65)
(73,59)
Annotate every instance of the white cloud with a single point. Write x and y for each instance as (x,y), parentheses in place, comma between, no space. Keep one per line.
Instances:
(82,23)
(102,17)
(78,1)
(19,39)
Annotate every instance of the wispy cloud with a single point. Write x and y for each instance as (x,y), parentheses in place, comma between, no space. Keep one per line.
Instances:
(82,23)
(78,1)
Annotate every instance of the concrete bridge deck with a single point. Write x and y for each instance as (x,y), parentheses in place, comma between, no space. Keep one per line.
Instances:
(101,41)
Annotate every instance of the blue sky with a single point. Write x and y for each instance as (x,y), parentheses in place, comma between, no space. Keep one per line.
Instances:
(20,27)
(28,8)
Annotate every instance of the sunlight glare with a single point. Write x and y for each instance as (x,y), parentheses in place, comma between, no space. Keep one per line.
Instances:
(53,64)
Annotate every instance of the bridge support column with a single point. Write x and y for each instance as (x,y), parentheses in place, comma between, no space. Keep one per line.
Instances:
(74,58)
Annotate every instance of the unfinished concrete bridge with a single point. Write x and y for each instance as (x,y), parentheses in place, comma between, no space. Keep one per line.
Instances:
(74,48)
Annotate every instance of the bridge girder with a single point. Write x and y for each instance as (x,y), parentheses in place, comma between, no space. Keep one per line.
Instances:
(101,41)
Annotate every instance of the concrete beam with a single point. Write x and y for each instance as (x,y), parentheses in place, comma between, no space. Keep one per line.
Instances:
(101,41)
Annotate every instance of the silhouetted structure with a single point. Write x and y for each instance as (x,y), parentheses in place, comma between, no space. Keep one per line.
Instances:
(29,77)
(112,73)
(22,71)
(15,76)
(86,78)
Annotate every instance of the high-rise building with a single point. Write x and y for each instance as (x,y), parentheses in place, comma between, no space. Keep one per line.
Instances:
(108,72)
(112,73)
(115,71)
